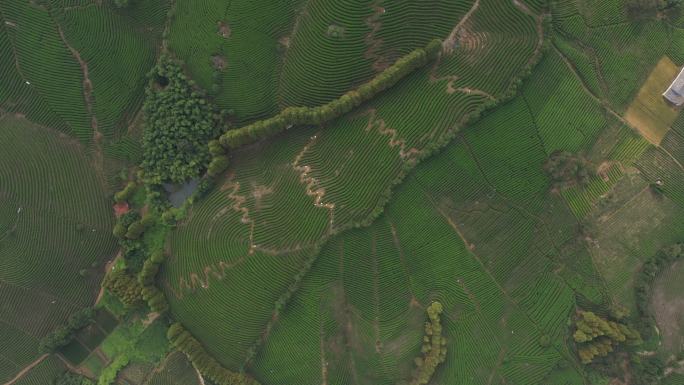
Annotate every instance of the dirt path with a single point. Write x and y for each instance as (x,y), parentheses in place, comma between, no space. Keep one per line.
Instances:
(108,268)
(310,183)
(449,43)
(540,28)
(26,369)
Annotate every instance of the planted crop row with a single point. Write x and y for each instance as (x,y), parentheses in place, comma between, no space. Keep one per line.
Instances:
(47,64)
(234,51)
(327,52)
(43,373)
(117,74)
(491,48)
(55,229)
(321,114)
(283,194)
(567,118)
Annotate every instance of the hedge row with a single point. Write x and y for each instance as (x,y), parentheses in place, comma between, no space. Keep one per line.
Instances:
(64,334)
(155,298)
(182,340)
(336,108)
(434,347)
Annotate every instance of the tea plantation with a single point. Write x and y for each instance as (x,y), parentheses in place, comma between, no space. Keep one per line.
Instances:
(253,192)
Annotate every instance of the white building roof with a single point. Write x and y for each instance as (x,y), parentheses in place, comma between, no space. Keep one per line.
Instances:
(675,93)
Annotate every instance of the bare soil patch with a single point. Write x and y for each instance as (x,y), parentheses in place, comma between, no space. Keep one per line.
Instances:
(667,304)
(649,113)
(224,30)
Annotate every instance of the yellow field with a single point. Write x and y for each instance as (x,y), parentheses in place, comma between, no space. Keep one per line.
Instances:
(649,112)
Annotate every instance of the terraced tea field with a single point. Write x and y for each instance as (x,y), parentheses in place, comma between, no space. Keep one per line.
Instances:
(55,223)
(493,208)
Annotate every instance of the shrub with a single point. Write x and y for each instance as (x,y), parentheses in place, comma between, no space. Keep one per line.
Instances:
(69,378)
(65,333)
(119,230)
(566,169)
(108,375)
(136,228)
(126,193)
(120,283)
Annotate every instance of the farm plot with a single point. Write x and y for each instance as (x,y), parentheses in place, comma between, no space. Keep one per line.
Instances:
(116,75)
(58,74)
(649,112)
(45,62)
(43,373)
(55,234)
(234,50)
(282,197)
(620,54)
(447,235)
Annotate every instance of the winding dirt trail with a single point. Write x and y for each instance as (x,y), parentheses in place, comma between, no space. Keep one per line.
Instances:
(449,43)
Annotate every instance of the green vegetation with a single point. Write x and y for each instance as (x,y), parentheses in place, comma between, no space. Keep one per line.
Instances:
(55,236)
(124,285)
(434,347)
(69,378)
(648,272)
(335,108)
(64,334)
(186,343)
(596,336)
(356,165)
(566,170)
(179,123)
(108,375)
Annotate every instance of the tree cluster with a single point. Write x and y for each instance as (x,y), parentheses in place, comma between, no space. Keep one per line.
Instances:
(596,336)
(566,169)
(123,285)
(135,229)
(644,280)
(434,347)
(179,123)
(109,374)
(219,159)
(65,333)
(336,108)
(155,298)
(182,340)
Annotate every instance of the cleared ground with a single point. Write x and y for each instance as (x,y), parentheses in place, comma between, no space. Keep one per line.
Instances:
(668,307)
